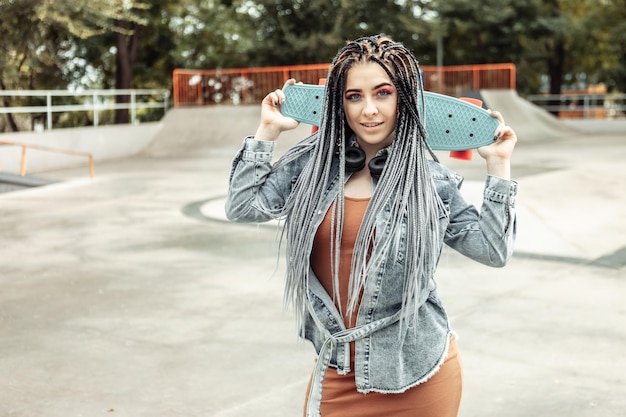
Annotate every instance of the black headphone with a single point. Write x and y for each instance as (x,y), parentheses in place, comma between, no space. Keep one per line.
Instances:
(355,161)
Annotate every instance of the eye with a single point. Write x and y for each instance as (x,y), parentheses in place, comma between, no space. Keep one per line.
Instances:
(353,97)
(384,92)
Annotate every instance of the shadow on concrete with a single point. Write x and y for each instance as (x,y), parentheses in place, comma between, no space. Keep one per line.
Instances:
(129,295)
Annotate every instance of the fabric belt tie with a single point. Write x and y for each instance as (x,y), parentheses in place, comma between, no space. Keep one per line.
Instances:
(314,403)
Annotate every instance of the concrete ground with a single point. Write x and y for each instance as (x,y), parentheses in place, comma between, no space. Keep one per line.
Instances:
(129,295)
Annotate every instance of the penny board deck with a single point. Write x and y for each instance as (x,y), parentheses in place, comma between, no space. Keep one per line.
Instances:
(451,123)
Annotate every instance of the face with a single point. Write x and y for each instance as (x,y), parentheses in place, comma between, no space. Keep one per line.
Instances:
(370,106)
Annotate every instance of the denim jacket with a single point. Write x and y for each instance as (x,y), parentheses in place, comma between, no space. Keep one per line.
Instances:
(385,360)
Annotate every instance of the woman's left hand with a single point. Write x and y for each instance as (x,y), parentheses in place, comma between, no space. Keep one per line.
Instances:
(498,154)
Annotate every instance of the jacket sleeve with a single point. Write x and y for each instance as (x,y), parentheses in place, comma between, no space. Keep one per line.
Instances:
(256,192)
(487,236)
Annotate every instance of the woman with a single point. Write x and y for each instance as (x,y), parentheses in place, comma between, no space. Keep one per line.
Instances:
(367,208)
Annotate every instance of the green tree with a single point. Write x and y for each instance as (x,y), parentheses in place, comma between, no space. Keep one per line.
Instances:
(299,32)
(597,46)
(46,55)
(133,43)
(563,39)
(212,34)
(583,43)
(490,31)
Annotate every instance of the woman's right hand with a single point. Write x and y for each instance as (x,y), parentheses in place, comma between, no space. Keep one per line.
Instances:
(273,123)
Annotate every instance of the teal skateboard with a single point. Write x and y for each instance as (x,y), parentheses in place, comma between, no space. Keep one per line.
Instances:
(451,124)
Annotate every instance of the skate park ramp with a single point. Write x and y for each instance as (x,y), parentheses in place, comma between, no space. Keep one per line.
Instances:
(115,302)
(184,130)
(529,121)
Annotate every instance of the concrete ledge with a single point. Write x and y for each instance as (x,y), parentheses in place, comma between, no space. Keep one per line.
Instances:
(598,125)
(103,143)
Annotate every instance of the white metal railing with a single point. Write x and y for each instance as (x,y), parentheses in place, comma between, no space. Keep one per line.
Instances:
(583,105)
(92,100)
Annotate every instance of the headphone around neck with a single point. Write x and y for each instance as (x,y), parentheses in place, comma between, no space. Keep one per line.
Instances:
(355,161)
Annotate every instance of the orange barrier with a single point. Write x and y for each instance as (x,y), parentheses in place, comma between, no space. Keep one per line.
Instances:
(25,146)
(250,85)
(459,79)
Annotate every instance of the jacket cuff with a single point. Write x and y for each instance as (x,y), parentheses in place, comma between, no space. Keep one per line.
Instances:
(258,150)
(500,190)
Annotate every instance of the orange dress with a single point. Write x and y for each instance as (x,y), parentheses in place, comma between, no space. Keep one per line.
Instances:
(440,396)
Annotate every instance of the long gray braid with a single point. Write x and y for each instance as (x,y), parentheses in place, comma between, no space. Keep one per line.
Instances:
(405,185)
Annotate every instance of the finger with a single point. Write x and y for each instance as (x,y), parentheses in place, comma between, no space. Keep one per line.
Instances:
(272,98)
(498,133)
(276,97)
(506,133)
(280,96)
(497,115)
(510,133)
(289,81)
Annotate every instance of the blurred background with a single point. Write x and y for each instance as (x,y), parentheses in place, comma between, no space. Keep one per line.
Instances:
(557,47)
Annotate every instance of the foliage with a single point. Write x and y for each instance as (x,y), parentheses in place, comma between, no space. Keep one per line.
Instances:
(301,32)
(47,55)
(597,48)
(211,34)
(111,43)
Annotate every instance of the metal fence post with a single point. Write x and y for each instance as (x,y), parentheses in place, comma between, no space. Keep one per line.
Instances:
(95,110)
(133,109)
(49,110)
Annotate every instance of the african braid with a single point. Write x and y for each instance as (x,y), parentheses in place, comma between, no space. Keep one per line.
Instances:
(405,186)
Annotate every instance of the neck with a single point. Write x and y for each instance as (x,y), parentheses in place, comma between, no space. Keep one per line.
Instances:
(359,185)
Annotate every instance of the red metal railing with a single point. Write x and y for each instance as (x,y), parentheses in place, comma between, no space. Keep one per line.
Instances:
(250,85)
(459,79)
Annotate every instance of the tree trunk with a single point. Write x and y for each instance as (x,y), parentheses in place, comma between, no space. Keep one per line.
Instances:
(125,62)
(8,116)
(11,124)
(556,58)
(555,70)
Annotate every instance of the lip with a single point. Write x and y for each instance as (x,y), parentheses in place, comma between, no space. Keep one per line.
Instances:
(371,125)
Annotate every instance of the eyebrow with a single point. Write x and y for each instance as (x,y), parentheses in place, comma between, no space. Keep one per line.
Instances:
(375,88)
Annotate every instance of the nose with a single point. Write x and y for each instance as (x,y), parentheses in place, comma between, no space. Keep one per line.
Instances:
(370,109)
